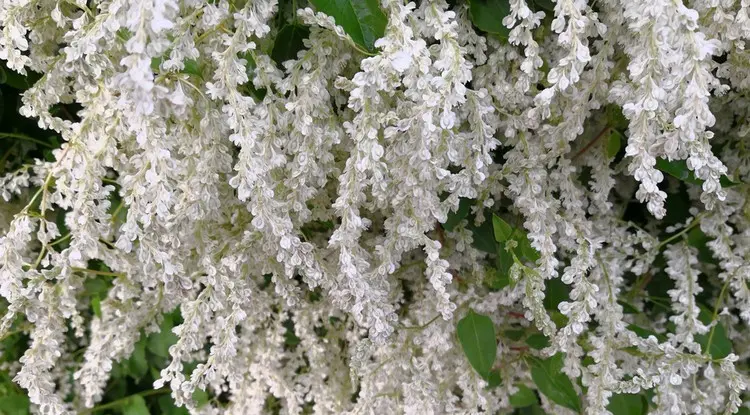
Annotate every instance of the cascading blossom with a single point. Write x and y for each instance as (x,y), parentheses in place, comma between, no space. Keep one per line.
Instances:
(272,174)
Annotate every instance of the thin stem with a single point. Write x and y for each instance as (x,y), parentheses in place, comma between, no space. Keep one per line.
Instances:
(606,277)
(27,138)
(715,315)
(95,272)
(14,332)
(113,217)
(423,326)
(685,230)
(592,142)
(60,240)
(121,401)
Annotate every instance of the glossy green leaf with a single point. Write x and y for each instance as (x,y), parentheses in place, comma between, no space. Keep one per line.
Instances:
(677,169)
(531,410)
(494,379)
(645,333)
(488,15)
(454,218)
(502,230)
(484,239)
(200,397)
(537,341)
(720,346)
(680,170)
(16,404)
(476,333)
(555,292)
(167,407)
(137,363)
(363,20)
(547,5)
(524,397)
(627,404)
(96,305)
(250,67)
(553,383)
(527,251)
(190,66)
(628,308)
(289,41)
(613,143)
(501,276)
(17,81)
(514,335)
(615,118)
(290,338)
(159,343)
(135,405)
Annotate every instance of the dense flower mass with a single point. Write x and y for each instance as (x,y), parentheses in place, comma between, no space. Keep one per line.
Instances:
(332,195)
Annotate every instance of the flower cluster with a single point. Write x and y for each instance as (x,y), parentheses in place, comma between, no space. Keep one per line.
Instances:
(323,204)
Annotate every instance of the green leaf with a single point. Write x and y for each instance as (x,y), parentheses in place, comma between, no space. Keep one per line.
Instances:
(17,81)
(501,277)
(524,397)
(615,117)
(96,305)
(16,404)
(290,338)
(487,15)
(677,169)
(502,230)
(494,379)
(537,341)
(527,251)
(680,170)
(552,382)
(558,318)
(250,67)
(137,363)
(547,5)
(454,218)
(627,404)
(514,335)
(628,308)
(191,67)
(720,346)
(200,397)
(167,406)
(613,143)
(159,343)
(531,410)
(361,19)
(743,411)
(646,333)
(289,41)
(135,405)
(555,292)
(477,336)
(483,237)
